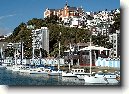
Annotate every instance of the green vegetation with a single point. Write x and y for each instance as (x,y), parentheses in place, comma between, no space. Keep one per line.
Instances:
(116,24)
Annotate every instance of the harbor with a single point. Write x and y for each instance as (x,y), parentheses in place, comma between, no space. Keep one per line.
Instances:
(24,79)
(70,70)
(69,46)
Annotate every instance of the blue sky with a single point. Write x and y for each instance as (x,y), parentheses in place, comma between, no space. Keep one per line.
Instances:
(13,12)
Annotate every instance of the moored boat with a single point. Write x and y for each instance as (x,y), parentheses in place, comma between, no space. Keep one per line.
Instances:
(95,80)
(55,72)
(73,73)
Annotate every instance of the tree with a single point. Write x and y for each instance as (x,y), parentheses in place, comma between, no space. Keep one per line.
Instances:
(9,52)
(37,23)
(52,19)
(44,53)
(116,24)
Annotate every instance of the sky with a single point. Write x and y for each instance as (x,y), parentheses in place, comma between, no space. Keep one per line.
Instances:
(13,12)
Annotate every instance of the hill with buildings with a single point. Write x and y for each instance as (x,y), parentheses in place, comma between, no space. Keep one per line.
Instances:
(75,27)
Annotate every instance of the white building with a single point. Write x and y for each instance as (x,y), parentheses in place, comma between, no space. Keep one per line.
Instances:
(115,40)
(23,62)
(40,39)
(108,62)
(8,61)
(47,61)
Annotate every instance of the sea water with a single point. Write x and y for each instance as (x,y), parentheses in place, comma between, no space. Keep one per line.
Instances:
(10,78)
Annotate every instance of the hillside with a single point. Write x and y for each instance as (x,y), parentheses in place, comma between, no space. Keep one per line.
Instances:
(68,35)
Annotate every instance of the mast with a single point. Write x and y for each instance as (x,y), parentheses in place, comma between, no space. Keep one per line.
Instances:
(40,55)
(22,52)
(15,57)
(69,56)
(59,57)
(90,56)
(59,52)
(59,48)
(1,53)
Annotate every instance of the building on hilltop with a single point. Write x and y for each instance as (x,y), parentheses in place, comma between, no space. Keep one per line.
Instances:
(64,13)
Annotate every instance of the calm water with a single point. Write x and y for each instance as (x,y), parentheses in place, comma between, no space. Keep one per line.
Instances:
(14,78)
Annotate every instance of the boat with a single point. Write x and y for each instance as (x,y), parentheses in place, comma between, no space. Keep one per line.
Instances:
(74,73)
(40,70)
(16,68)
(70,79)
(81,76)
(110,77)
(9,68)
(93,79)
(25,69)
(55,72)
(68,74)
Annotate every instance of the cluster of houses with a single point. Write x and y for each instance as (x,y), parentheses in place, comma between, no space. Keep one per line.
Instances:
(97,22)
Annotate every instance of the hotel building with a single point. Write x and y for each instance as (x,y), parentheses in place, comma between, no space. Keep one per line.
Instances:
(40,39)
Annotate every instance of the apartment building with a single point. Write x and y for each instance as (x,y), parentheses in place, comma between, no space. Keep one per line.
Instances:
(40,39)
(115,40)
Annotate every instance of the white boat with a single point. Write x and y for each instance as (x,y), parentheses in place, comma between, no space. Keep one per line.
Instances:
(95,80)
(39,70)
(107,75)
(25,69)
(92,79)
(68,74)
(70,79)
(55,73)
(110,77)
(9,68)
(17,68)
(81,76)
(73,73)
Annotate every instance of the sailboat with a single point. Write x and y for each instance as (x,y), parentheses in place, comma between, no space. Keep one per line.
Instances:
(73,72)
(56,72)
(68,73)
(16,67)
(98,78)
